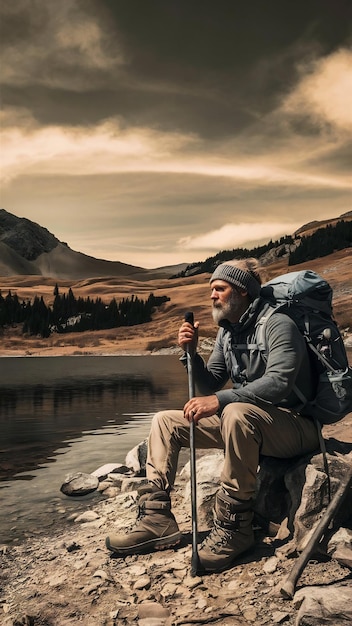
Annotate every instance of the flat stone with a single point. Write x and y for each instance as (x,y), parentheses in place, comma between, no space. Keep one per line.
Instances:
(79,484)
(143,582)
(152,609)
(109,468)
(87,516)
(320,605)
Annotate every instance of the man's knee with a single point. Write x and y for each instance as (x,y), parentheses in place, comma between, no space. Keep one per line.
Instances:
(238,416)
(237,411)
(160,419)
(166,420)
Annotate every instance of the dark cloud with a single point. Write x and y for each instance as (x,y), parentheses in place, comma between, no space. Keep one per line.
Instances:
(207,67)
(134,124)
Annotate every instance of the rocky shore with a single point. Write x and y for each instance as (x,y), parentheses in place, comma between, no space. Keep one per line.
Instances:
(67,577)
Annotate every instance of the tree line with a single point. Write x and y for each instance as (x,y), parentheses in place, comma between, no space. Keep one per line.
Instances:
(71,314)
(322,242)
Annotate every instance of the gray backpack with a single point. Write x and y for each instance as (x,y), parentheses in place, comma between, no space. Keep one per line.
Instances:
(307,299)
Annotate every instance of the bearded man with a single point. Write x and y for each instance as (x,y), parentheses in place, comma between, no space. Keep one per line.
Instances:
(258,415)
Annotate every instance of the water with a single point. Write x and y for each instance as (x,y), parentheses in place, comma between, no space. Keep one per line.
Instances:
(60,415)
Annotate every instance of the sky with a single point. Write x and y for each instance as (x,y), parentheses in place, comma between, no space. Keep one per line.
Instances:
(158,132)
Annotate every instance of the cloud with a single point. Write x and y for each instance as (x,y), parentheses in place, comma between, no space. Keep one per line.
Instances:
(110,148)
(241,234)
(56,45)
(324,93)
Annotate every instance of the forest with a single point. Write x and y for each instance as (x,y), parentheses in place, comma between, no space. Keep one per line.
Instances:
(71,314)
(322,242)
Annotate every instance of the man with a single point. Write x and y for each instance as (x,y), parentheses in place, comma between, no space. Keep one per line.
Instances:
(258,415)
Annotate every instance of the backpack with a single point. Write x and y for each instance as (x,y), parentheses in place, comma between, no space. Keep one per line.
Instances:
(307,299)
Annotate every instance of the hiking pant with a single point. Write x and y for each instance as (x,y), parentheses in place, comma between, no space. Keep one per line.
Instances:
(244,431)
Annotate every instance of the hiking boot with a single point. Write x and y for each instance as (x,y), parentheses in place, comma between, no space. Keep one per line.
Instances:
(231,534)
(156,527)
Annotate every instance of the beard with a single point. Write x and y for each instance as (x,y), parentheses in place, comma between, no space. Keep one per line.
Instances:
(230,310)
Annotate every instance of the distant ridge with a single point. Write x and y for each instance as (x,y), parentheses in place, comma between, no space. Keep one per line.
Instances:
(26,248)
(312,226)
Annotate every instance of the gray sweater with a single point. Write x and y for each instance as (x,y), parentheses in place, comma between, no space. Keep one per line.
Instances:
(257,378)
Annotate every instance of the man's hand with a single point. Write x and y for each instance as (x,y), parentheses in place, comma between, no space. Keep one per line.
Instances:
(199,407)
(188,337)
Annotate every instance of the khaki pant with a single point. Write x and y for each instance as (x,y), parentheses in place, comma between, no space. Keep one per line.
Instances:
(244,432)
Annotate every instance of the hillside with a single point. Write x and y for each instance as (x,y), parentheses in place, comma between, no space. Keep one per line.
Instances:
(26,248)
(189,293)
(33,261)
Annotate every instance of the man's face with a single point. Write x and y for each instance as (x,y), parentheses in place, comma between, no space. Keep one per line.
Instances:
(228,302)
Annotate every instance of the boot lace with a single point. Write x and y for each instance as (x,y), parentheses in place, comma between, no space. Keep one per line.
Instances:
(217,538)
(140,514)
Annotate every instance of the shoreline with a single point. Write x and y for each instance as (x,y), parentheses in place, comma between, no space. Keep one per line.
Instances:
(64,575)
(204,348)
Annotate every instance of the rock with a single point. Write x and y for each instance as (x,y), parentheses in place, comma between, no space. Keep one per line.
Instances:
(132,484)
(111,492)
(152,614)
(67,577)
(283,531)
(340,547)
(109,468)
(270,565)
(272,496)
(279,617)
(79,484)
(208,479)
(324,605)
(143,582)
(310,481)
(297,489)
(87,516)
(137,458)
(103,575)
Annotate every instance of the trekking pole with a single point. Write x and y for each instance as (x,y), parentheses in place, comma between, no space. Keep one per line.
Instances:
(195,564)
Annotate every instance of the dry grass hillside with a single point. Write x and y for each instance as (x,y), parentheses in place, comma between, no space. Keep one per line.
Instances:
(185,294)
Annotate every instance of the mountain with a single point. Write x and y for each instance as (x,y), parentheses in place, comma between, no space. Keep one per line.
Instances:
(26,248)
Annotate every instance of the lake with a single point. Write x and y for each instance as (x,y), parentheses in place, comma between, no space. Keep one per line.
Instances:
(61,415)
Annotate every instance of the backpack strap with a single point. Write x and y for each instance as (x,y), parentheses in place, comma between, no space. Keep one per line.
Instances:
(264,349)
(245,346)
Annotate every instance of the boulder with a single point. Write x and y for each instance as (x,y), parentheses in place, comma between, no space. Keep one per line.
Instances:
(324,605)
(296,490)
(208,469)
(79,484)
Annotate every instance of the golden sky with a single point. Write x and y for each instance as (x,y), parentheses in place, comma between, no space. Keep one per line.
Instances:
(160,132)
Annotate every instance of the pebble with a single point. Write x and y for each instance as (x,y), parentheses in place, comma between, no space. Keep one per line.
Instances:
(86,584)
(279,617)
(143,582)
(270,565)
(87,516)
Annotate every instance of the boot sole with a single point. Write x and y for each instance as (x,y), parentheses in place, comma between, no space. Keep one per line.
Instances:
(159,543)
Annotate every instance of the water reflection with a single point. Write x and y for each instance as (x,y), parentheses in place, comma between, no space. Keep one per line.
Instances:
(36,419)
(65,394)
(60,415)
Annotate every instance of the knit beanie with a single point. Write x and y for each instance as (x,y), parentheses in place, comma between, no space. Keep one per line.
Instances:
(241,278)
